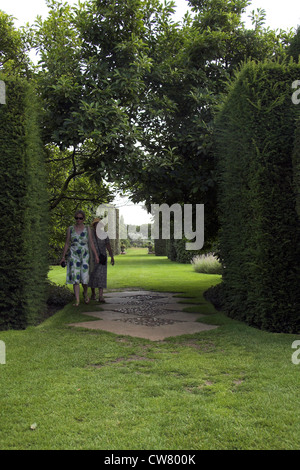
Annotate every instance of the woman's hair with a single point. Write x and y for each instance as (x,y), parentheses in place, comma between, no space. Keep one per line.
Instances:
(95,223)
(80,212)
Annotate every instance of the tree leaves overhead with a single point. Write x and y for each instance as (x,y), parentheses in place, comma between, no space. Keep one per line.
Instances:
(13,47)
(143,90)
(91,76)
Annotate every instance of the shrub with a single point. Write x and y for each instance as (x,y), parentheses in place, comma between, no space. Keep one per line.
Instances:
(207,264)
(215,295)
(58,296)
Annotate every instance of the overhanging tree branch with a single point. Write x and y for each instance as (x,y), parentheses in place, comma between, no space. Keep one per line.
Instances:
(64,188)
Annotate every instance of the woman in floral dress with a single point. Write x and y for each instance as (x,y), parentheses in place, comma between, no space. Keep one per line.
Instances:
(80,239)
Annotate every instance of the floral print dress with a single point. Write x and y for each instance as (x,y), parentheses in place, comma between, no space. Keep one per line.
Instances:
(78,261)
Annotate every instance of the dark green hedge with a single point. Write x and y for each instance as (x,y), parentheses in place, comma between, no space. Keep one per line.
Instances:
(296,166)
(176,251)
(160,247)
(24,210)
(259,236)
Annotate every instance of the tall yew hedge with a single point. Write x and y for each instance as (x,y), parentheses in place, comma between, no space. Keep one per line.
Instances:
(23,209)
(260,233)
(296,166)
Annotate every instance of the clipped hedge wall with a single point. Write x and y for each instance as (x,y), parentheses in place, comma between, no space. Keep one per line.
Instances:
(24,209)
(260,234)
(176,248)
(296,166)
(176,251)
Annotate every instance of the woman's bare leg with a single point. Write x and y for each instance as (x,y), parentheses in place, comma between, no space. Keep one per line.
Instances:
(101,294)
(76,292)
(85,293)
(93,297)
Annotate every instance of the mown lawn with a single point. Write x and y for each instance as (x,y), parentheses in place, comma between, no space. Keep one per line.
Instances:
(230,388)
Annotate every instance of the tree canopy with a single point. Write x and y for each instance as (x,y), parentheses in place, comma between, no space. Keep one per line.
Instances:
(129,96)
(13,47)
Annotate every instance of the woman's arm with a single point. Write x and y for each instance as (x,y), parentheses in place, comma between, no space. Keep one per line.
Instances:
(92,245)
(66,246)
(110,253)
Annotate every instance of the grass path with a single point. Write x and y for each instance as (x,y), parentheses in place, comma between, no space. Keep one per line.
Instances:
(230,388)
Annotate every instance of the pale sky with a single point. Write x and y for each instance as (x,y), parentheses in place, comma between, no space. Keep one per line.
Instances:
(280,15)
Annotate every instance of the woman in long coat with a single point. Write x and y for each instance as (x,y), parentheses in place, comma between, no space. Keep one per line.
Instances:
(98,274)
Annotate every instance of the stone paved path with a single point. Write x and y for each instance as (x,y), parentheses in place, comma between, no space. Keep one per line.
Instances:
(145,314)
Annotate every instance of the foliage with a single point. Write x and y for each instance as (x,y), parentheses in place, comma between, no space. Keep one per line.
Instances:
(109,77)
(13,48)
(207,264)
(89,82)
(68,185)
(191,64)
(176,250)
(23,245)
(68,190)
(215,295)
(258,17)
(110,73)
(160,247)
(58,296)
(296,167)
(294,47)
(259,237)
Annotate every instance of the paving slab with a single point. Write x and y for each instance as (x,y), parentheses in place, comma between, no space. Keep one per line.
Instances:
(154,333)
(145,314)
